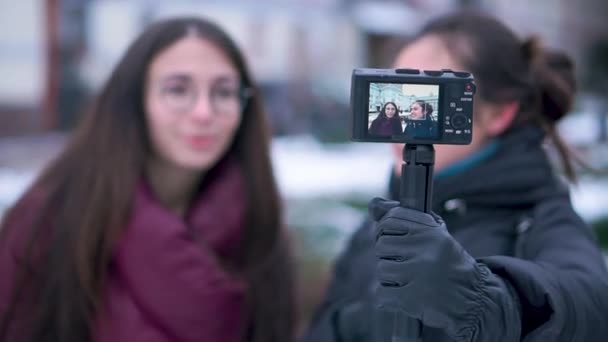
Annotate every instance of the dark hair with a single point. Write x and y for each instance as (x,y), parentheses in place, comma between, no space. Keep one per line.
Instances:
(383,111)
(426,107)
(87,194)
(508,69)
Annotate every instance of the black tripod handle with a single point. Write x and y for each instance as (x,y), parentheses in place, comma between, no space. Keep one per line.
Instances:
(417,177)
(416,193)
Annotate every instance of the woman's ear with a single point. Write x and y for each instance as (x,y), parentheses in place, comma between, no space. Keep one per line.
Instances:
(501,118)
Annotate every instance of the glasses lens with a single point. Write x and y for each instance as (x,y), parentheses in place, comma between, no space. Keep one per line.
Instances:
(179,96)
(227,99)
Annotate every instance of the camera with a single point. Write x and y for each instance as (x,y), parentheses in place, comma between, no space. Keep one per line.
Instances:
(412,106)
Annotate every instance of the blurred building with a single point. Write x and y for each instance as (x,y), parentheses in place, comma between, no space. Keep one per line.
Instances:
(22,64)
(573,26)
(53,53)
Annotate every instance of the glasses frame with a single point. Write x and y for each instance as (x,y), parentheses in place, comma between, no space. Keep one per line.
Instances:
(245,93)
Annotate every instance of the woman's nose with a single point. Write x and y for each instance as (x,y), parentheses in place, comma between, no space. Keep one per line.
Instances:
(202,109)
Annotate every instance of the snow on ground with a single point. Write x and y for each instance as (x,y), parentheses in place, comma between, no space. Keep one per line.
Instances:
(316,181)
(307,170)
(12,185)
(590,198)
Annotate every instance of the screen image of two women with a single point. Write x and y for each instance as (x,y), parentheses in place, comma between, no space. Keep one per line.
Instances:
(417,123)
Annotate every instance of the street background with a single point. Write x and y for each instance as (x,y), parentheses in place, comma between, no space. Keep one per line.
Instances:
(55,54)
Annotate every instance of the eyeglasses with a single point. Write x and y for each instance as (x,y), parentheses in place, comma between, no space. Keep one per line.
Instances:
(181,95)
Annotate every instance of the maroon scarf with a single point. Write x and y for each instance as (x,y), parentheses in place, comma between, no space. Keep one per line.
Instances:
(166,282)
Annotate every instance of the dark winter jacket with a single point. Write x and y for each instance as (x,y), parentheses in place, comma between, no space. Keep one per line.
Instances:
(420,128)
(514,216)
(384,126)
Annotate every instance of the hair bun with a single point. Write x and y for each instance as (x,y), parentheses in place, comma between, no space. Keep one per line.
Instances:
(555,75)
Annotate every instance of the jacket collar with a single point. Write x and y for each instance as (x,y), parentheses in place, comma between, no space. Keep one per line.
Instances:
(517,174)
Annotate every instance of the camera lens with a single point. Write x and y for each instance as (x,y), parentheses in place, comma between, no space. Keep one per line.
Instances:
(459,121)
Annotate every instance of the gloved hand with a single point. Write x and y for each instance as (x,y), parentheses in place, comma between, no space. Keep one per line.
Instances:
(424,272)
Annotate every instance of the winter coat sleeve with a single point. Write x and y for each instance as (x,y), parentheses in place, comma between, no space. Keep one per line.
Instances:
(555,290)
(561,279)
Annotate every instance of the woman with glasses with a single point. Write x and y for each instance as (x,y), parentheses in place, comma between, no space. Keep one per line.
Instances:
(161,220)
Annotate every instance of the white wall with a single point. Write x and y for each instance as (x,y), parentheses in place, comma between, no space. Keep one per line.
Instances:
(22,69)
(111,27)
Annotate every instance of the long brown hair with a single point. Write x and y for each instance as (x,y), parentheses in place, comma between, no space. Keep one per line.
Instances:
(508,69)
(87,194)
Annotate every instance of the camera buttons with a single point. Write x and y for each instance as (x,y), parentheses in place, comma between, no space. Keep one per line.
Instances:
(469,87)
(408,71)
(433,72)
(459,121)
(462,74)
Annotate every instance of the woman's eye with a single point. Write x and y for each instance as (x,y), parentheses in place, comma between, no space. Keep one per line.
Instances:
(226,92)
(177,90)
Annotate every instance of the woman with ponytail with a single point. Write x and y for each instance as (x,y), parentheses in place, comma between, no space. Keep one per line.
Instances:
(504,257)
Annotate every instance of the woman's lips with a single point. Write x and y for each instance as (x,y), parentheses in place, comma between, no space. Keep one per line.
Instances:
(200,142)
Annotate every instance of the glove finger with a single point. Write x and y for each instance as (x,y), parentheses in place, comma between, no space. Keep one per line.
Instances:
(394,248)
(391,273)
(378,207)
(392,226)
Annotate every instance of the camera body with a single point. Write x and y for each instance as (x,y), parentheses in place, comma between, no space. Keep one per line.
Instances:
(412,106)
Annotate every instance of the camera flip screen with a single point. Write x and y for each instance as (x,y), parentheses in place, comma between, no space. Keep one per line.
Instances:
(409,109)
(412,106)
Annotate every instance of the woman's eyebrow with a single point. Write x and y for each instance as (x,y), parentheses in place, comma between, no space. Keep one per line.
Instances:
(177,77)
(225,79)
(186,77)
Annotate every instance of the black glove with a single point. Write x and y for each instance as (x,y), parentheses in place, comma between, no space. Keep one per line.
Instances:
(424,272)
